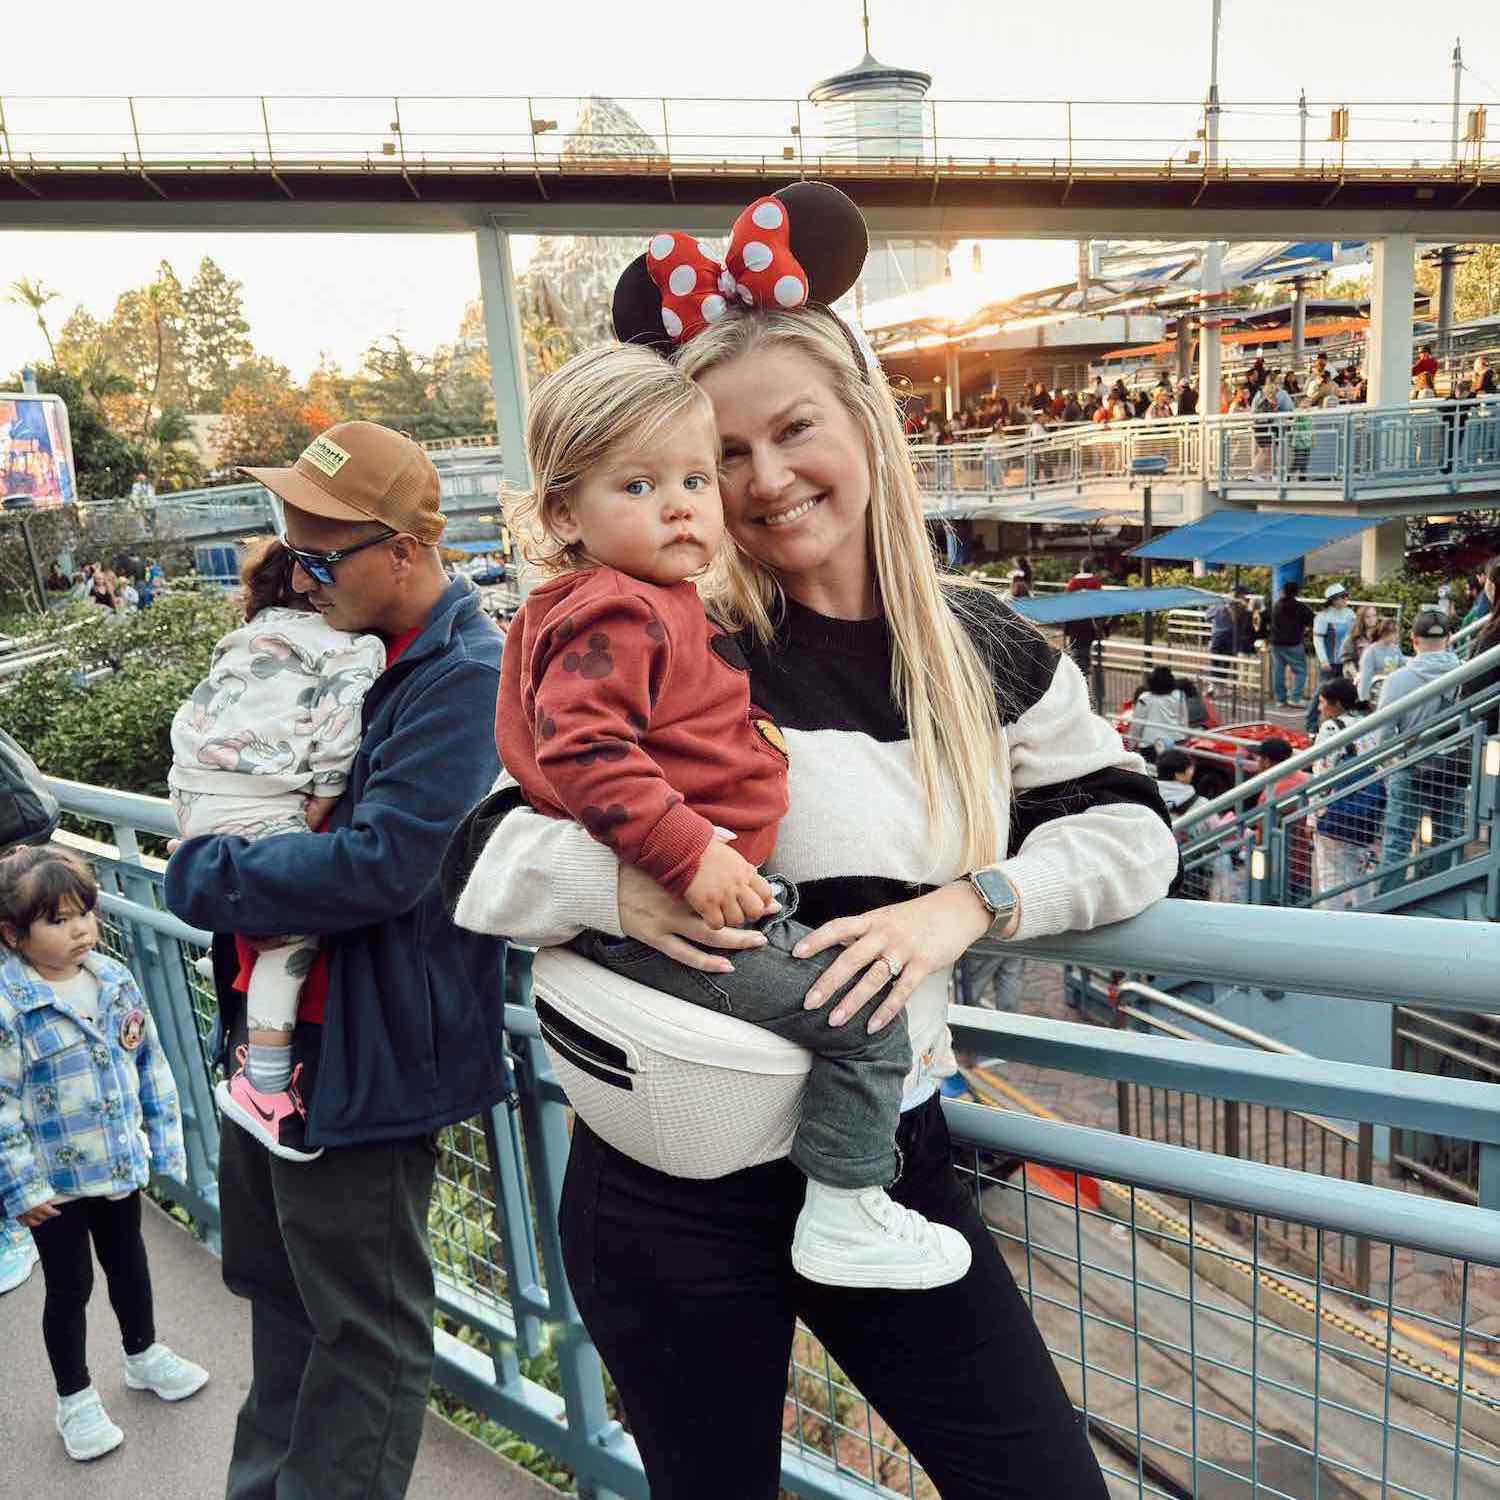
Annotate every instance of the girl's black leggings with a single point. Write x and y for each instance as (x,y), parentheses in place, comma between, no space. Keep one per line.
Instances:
(68,1271)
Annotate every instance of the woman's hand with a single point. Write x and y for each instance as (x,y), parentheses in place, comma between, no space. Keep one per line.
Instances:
(39,1215)
(910,940)
(651,916)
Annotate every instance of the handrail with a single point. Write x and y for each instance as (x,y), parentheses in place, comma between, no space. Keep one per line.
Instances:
(1365,956)
(1207,1018)
(1459,1107)
(1380,1214)
(1382,716)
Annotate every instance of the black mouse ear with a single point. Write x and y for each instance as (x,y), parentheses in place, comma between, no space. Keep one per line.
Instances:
(829,237)
(636,310)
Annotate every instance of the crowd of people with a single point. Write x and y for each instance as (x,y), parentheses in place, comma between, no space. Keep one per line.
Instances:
(1258,390)
(129,585)
(1376,821)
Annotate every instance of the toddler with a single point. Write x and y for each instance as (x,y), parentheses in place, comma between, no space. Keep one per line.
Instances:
(264,747)
(623,708)
(87,1108)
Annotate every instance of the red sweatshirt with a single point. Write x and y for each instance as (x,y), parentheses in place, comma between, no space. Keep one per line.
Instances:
(622,708)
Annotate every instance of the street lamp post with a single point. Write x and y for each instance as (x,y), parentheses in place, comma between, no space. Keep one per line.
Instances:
(1147,467)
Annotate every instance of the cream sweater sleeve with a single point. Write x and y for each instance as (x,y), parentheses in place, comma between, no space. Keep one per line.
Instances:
(540,881)
(1092,851)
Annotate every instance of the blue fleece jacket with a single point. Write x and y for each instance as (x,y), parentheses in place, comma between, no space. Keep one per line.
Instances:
(412,1025)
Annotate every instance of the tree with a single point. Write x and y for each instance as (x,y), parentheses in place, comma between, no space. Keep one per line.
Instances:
(549,345)
(214,335)
(1476,283)
(263,425)
(143,340)
(36,296)
(104,462)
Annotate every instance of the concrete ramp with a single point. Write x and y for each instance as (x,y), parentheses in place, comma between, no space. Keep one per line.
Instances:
(181,1452)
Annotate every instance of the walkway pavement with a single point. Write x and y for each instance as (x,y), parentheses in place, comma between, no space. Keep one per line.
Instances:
(180,1452)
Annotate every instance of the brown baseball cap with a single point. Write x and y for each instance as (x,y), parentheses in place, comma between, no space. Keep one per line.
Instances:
(361,471)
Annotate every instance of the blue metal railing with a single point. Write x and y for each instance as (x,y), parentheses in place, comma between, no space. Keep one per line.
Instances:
(1151,1318)
(1385,816)
(1351,453)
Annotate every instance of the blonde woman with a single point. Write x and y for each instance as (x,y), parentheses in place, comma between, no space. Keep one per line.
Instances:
(933,736)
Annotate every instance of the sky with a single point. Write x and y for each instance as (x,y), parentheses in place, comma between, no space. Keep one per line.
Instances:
(307,295)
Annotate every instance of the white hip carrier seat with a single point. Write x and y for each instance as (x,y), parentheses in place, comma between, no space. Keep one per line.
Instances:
(675,1086)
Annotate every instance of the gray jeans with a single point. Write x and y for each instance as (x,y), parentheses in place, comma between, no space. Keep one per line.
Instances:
(852,1102)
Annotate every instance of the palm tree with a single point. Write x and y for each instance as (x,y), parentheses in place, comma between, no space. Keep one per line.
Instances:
(100,378)
(36,296)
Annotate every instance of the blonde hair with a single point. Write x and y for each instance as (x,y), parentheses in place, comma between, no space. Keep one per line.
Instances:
(938,677)
(580,415)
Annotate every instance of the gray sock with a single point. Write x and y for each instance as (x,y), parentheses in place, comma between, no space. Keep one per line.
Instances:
(269,1069)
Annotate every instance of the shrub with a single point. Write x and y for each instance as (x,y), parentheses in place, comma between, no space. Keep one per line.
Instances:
(115,731)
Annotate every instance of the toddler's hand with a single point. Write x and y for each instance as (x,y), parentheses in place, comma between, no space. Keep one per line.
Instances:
(38,1215)
(728,890)
(317,809)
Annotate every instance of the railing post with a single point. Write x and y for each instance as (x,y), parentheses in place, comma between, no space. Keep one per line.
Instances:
(1489,1176)
(1122,1107)
(1365,1172)
(1232,1108)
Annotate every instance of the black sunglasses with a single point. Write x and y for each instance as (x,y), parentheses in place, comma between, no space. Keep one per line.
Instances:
(319,565)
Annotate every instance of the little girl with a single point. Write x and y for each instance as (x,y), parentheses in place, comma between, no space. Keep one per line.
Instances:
(87,1107)
(264,747)
(623,708)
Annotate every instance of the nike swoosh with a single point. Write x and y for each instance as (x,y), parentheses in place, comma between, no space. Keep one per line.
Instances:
(268,1117)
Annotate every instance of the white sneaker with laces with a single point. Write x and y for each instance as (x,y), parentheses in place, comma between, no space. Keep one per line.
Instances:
(863,1237)
(168,1375)
(85,1427)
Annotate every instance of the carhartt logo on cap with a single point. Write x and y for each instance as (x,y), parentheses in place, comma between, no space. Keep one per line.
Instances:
(325,456)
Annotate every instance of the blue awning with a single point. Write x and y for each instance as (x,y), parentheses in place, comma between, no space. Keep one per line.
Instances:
(474,547)
(1103,604)
(1257,538)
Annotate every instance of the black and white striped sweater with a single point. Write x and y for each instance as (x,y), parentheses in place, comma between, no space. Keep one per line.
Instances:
(1087,837)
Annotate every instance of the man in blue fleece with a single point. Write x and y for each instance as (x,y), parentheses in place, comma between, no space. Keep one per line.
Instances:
(401,1033)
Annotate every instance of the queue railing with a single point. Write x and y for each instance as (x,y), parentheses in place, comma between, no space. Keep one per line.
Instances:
(1385,811)
(1189,1351)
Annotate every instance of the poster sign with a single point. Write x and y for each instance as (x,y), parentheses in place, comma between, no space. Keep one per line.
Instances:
(36,452)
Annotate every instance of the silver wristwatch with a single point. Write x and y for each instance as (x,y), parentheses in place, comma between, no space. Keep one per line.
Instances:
(998,894)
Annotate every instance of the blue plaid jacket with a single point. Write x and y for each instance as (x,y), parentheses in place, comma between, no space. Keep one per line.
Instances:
(80,1112)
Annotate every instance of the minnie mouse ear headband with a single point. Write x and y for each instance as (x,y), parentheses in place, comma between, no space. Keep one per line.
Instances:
(805,244)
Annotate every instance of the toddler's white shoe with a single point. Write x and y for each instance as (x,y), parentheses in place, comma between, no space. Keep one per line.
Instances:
(168,1375)
(863,1237)
(85,1427)
(203,966)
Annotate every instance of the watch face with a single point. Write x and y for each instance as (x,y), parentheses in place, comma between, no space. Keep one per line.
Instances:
(998,893)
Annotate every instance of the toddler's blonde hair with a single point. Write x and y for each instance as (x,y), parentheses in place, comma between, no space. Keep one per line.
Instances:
(580,415)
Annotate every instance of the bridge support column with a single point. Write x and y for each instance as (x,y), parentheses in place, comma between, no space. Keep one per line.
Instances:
(1382,550)
(1299,322)
(502,332)
(1388,366)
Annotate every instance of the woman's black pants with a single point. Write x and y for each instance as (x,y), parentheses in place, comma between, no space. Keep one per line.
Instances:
(62,1243)
(687,1289)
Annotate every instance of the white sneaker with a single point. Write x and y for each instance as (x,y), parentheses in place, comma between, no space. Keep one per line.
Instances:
(863,1237)
(166,1374)
(203,966)
(85,1427)
(17,1262)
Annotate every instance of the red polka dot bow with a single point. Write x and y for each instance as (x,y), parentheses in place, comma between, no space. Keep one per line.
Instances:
(759,269)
